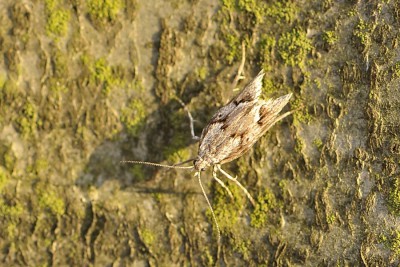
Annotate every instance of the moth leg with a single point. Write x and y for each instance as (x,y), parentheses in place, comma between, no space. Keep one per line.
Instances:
(226,174)
(239,184)
(221,183)
(194,136)
(284,115)
(240,70)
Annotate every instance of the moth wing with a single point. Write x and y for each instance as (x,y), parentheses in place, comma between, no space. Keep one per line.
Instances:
(270,109)
(252,91)
(217,137)
(249,128)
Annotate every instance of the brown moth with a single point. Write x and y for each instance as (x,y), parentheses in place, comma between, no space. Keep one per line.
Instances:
(238,125)
(232,131)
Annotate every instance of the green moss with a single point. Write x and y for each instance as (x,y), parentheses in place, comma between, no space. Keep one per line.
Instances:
(202,73)
(60,64)
(9,159)
(133,117)
(265,202)
(352,12)
(301,115)
(363,32)
(318,143)
(208,258)
(283,184)
(102,75)
(282,12)
(330,218)
(11,230)
(57,18)
(396,70)
(56,86)
(51,4)
(267,46)
(104,10)
(318,84)
(395,243)
(49,200)
(242,247)
(9,92)
(57,22)
(252,6)
(178,155)
(293,47)
(10,216)
(28,120)
(267,43)
(105,76)
(86,59)
(394,197)
(248,5)
(229,4)
(299,146)
(330,37)
(3,80)
(177,151)
(4,178)
(147,237)
(157,197)
(9,212)
(227,210)
(392,241)
(268,87)
(41,166)
(234,48)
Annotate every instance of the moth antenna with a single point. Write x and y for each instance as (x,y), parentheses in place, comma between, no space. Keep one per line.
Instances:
(212,211)
(183,162)
(155,164)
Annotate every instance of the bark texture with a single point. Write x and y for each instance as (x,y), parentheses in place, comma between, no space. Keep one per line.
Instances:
(86,84)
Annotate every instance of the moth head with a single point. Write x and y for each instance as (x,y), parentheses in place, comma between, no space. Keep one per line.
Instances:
(200,164)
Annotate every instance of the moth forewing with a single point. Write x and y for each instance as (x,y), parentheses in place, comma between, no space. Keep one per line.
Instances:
(249,94)
(270,109)
(227,138)
(252,91)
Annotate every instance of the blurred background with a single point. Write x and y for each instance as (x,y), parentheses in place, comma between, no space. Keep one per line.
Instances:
(86,84)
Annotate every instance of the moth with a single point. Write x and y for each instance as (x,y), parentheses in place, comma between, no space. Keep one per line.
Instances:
(231,132)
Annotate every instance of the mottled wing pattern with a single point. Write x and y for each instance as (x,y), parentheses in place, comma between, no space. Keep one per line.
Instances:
(221,139)
(249,94)
(269,111)
(252,91)
(232,133)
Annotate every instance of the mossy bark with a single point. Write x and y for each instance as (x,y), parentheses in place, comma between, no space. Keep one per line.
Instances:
(86,85)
